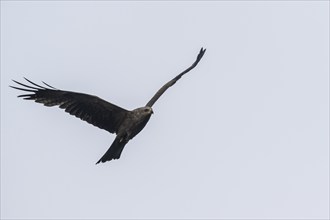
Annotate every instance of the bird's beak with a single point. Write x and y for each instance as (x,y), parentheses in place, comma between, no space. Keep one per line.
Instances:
(152,111)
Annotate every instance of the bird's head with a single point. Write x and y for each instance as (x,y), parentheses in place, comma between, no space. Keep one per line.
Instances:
(144,110)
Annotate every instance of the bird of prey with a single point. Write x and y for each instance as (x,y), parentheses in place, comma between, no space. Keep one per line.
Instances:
(98,112)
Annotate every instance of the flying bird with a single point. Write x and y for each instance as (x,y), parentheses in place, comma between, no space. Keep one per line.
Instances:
(98,112)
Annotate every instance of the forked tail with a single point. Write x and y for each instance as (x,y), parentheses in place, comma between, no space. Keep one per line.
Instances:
(114,151)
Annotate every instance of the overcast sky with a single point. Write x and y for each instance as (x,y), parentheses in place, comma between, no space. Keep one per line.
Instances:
(243,135)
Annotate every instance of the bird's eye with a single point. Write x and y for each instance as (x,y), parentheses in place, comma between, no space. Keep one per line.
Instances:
(146,110)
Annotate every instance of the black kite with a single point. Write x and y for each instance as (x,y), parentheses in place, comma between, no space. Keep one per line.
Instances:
(100,113)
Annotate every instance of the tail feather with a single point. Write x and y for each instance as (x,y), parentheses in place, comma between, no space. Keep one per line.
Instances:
(114,151)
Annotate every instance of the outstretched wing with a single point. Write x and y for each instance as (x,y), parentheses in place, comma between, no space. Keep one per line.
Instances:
(173,81)
(91,109)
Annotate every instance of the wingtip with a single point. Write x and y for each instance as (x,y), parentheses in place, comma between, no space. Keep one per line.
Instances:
(14,87)
(15,81)
(201,53)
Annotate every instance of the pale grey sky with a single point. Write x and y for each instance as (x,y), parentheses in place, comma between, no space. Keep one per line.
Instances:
(244,135)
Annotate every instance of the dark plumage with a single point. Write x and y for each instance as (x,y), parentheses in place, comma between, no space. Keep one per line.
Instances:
(98,112)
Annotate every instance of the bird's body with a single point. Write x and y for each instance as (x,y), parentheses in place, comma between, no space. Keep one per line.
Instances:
(98,112)
(139,117)
(129,128)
